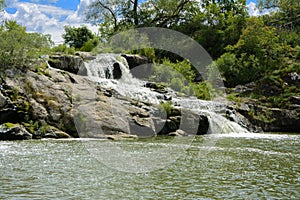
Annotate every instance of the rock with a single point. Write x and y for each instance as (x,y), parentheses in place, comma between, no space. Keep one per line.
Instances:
(85,55)
(139,66)
(267,119)
(295,100)
(3,100)
(69,63)
(135,60)
(117,72)
(165,126)
(14,132)
(157,88)
(50,132)
(178,133)
(122,137)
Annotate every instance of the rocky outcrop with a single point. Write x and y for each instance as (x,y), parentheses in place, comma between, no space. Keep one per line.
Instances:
(270,119)
(73,64)
(14,132)
(59,104)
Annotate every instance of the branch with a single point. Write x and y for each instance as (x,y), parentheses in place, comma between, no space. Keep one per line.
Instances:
(112,14)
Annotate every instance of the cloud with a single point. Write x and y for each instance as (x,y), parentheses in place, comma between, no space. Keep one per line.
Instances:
(252,9)
(47,19)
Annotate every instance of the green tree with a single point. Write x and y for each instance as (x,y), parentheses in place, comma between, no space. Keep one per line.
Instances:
(20,49)
(287,14)
(77,37)
(116,15)
(219,24)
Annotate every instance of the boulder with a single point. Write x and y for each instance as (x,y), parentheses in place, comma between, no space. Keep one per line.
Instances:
(139,66)
(267,119)
(117,72)
(50,132)
(69,63)
(14,132)
(135,60)
(85,55)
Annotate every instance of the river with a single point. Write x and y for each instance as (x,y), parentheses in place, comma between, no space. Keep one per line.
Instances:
(233,166)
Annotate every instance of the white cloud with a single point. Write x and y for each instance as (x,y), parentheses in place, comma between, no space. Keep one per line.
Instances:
(252,9)
(47,19)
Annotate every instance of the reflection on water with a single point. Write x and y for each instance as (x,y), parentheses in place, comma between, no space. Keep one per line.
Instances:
(249,166)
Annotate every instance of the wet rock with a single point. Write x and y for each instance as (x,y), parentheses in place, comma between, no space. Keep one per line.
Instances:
(14,132)
(117,72)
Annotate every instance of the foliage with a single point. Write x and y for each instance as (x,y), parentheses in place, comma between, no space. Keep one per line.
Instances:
(130,41)
(80,37)
(62,48)
(114,16)
(180,77)
(18,48)
(166,107)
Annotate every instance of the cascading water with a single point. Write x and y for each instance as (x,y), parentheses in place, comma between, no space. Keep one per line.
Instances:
(111,71)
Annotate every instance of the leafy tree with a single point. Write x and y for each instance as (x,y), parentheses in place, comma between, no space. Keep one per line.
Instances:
(116,15)
(219,24)
(112,15)
(18,48)
(77,37)
(287,14)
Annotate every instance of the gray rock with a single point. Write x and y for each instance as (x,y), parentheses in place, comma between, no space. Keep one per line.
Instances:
(139,65)
(14,132)
(50,132)
(3,100)
(69,63)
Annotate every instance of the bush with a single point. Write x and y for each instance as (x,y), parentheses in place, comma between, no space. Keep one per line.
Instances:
(166,107)
(62,48)
(19,49)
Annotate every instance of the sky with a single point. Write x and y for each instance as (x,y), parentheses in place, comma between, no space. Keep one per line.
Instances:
(50,16)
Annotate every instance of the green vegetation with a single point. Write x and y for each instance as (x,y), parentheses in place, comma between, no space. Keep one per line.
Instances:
(19,49)
(80,38)
(166,107)
(262,49)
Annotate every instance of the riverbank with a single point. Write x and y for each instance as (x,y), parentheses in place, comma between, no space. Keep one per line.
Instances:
(53,102)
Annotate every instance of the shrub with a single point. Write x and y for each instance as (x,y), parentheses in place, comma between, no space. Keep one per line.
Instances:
(19,49)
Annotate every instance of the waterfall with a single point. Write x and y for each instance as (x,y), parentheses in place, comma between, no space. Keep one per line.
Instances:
(112,71)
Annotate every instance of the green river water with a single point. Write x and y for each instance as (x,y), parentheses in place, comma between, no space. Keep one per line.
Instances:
(229,166)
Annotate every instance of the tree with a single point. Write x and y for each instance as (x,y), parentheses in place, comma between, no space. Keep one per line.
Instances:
(77,37)
(111,15)
(116,15)
(219,24)
(20,49)
(287,12)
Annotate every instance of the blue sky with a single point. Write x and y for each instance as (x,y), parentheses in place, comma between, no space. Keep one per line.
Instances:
(50,16)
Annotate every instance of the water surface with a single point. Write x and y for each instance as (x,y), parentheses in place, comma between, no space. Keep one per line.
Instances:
(233,166)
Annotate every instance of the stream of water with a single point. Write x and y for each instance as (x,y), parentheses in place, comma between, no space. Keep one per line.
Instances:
(237,166)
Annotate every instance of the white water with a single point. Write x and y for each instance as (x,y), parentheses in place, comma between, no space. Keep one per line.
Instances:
(100,71)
